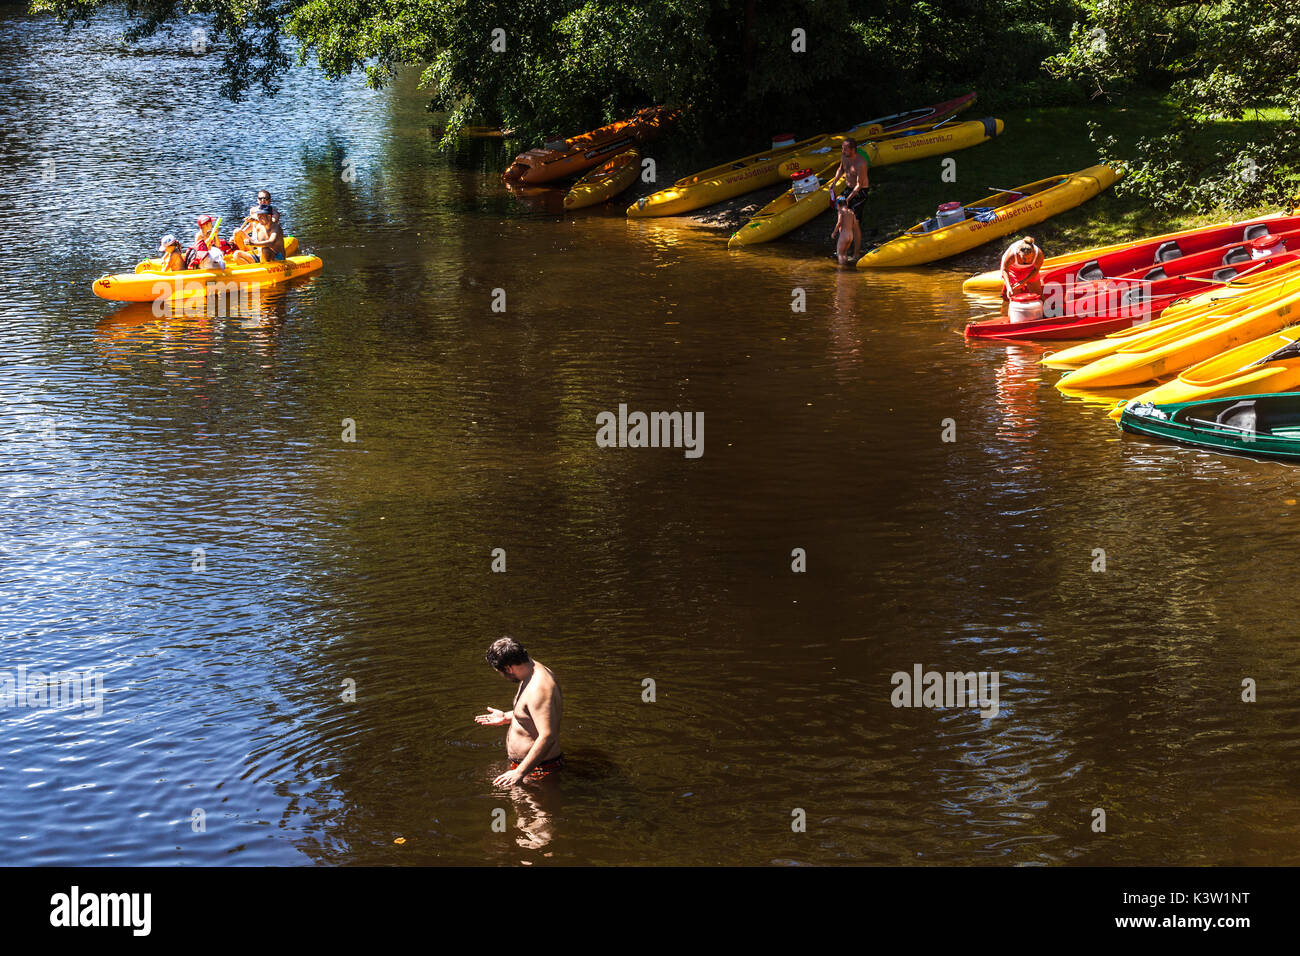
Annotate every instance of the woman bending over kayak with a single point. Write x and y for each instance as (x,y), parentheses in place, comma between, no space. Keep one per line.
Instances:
(1020,265)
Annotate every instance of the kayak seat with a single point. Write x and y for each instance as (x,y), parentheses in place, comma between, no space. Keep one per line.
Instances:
(1242,415)
(1090,272)
(1236,254)
(1133,295)
(1254,232)
(1224,275)
(1156,274)
(1167,251)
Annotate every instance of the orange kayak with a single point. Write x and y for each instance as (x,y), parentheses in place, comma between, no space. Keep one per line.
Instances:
(577,154)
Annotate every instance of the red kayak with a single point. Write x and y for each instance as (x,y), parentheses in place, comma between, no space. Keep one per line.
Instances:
(1147,255)
(921,115)
(1105,307)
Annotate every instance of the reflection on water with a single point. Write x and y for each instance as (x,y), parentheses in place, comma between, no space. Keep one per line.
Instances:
(186,516)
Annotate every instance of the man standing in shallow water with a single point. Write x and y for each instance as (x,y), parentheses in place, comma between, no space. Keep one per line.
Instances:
(533,740)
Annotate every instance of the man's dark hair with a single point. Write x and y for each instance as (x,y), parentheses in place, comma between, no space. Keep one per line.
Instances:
(851,141)
(506,652)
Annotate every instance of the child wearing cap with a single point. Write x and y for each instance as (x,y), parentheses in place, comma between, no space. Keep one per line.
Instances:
(172,260)
(206,235)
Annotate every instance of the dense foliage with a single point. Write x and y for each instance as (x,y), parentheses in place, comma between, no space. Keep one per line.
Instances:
(568,64)
(1237,60)
(572,64)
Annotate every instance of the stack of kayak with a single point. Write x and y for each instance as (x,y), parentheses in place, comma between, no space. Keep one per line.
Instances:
(1217,367)
(913,134)
(605,159)
(1083,310)
(1155,250)
(804,200)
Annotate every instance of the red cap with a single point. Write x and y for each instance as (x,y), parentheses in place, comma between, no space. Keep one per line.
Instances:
(800,173)
(204,219)
(1266,241)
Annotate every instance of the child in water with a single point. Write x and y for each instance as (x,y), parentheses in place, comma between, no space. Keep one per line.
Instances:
(846,225)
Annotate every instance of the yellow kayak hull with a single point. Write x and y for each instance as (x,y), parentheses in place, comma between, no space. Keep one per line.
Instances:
(1233,372)
(1044,199)
(604,182)
(788,212)
(1207,308)
(1171,351)
(991,281)
(728,180)
(153,286)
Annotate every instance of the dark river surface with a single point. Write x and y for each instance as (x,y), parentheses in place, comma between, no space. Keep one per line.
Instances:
(130,441)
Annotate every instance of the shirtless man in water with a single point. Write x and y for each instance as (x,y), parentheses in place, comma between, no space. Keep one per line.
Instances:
(853,170)
(533,740)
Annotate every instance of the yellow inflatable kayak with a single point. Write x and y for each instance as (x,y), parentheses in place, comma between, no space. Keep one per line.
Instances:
(1262,366)
(728,180)
(604,182)
(987,219)
(789,211)
(1167,352)
(757,170)
(991,281)
(1196,312)
(152,286)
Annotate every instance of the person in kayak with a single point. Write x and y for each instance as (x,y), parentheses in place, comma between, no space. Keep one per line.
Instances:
(240,236)
(264,199)
(1021,264)
(266,237)
(846,226)
(533,740)
(210,257)
(172,259)
(853,170)
(205,235)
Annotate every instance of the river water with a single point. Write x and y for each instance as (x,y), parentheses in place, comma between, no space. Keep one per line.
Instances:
(183,516)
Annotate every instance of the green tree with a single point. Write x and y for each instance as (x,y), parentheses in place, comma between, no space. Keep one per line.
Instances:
(570,63)
(1231,69)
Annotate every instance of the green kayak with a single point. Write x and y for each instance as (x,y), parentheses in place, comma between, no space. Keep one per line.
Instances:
(1266,426)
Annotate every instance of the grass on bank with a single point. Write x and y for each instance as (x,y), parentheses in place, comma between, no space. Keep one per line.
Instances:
(1035,144)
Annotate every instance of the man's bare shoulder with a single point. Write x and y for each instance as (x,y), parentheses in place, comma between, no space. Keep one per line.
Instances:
(543,682)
